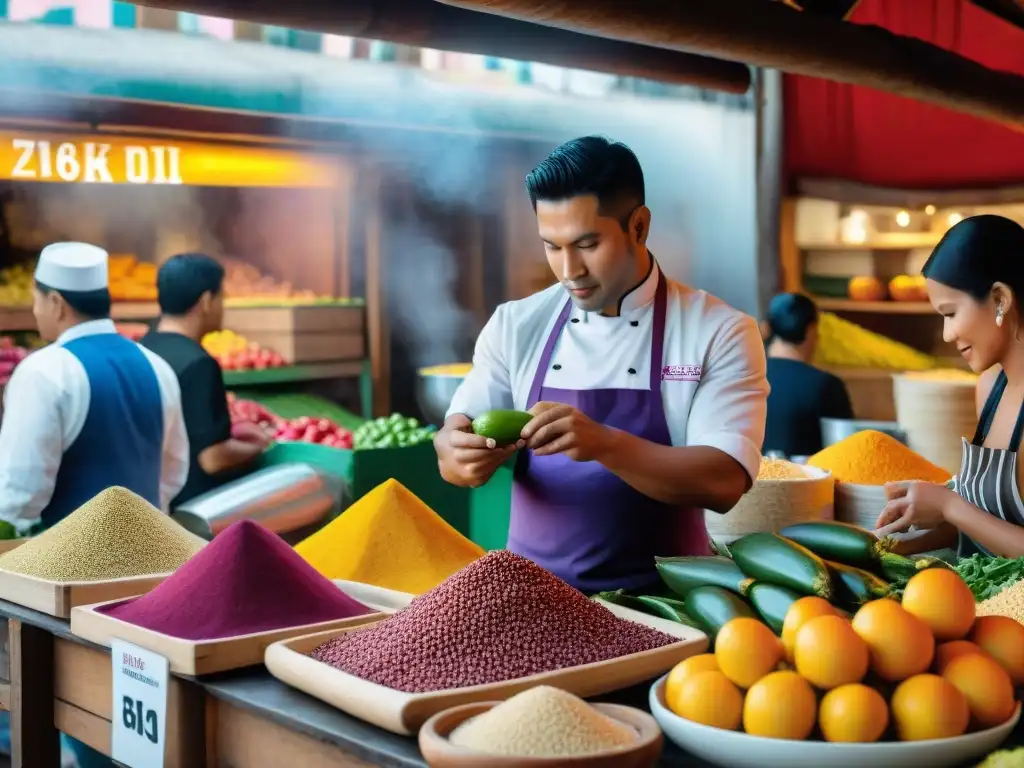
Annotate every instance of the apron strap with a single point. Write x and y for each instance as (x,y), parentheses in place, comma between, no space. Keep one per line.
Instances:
(989,411)
(1018,430)
(658,336)
(546,354)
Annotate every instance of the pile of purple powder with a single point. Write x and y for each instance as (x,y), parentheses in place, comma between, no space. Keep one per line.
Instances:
(246,580)
(500,618)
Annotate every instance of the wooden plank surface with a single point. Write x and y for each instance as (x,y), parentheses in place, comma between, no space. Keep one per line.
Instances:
(35,742)
(82,679)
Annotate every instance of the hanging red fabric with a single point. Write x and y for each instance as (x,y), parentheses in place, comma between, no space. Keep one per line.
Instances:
(833,130)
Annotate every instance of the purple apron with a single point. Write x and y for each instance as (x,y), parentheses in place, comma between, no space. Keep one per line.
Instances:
(578,519)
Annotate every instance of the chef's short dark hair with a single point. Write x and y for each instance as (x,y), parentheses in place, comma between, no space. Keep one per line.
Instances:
(789,317)
(977,253)
(92,305)
(591,165)
(183,279)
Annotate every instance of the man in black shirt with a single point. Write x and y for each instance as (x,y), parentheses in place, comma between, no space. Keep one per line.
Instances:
(192,305)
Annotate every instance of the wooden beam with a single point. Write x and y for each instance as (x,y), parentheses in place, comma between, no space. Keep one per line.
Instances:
(768,111)
(773,35)
(855,193)
(429,24)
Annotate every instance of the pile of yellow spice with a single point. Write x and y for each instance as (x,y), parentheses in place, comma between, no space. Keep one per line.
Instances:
(875,458)
(391,539)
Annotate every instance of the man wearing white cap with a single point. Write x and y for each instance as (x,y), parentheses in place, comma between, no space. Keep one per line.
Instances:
(90,411)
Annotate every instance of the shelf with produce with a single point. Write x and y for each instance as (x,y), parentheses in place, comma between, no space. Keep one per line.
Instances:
(288,374)
(882,307)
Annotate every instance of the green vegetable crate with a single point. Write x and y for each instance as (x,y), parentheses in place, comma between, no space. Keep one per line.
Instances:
(480,514)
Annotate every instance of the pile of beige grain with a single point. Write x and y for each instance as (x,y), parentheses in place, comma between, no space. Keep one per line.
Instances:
(543,722)
(1009,603)
(114,535)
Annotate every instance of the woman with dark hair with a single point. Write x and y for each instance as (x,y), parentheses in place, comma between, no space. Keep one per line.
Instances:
(975,279)
(801,395)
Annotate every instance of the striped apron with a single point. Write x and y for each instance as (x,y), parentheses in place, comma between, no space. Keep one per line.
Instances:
(988,476)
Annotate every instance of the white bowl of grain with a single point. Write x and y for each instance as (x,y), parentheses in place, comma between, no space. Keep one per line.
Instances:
(784,494)
(538,728)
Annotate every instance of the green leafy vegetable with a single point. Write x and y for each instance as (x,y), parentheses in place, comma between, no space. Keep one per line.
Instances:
(988,576)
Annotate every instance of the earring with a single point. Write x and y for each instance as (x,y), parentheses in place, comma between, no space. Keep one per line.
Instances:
(999,317)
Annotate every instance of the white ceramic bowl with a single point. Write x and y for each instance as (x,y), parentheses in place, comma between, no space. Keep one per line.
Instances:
(738,750)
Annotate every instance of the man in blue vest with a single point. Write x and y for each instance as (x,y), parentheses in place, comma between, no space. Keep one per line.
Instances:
(90,411)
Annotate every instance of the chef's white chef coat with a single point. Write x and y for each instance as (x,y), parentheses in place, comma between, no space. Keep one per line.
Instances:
(724,409)
(46,404)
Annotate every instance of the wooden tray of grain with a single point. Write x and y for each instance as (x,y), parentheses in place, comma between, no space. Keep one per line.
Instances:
(378,598)
(195,657)
(57,598)
(404,713)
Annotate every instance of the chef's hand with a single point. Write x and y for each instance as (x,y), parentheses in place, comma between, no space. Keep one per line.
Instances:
(915,503)
(465,458)
(559,428)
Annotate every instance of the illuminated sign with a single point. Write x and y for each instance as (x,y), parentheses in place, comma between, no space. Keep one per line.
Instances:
(101,159)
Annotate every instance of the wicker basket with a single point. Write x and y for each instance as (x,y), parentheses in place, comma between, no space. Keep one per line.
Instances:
(935,413)
(771,505)
(859,505)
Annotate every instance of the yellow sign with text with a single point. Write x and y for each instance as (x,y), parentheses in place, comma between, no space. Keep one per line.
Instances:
(102,159)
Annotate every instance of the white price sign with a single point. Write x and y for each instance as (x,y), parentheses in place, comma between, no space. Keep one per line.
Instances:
(138,724)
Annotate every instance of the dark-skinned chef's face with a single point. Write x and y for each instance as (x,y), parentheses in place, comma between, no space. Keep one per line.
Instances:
(590,253)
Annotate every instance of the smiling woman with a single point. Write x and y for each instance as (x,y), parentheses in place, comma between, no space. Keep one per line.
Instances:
(975,281)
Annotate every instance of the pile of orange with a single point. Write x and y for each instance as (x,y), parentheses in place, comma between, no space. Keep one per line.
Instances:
(926,667)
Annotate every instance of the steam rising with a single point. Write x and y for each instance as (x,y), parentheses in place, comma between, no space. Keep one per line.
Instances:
(699,160)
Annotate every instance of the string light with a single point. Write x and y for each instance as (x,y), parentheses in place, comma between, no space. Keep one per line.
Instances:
(929,210)
(903,219)
(954,218)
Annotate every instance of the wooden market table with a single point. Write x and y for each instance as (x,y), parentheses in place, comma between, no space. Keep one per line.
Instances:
(242,719)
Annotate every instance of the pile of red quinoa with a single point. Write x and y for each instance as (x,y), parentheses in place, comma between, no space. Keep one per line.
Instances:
(500,618)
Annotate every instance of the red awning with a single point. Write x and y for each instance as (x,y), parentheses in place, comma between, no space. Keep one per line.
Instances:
(834,130)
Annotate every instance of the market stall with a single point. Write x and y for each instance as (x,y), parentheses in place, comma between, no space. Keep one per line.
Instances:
(804,641)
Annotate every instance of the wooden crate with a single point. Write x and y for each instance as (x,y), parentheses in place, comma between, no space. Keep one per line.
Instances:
(298,348)
(327,318)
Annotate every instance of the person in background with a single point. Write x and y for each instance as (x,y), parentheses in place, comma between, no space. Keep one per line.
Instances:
(88,412)
(975,279)
(191,306)
(648,396)
(801,395)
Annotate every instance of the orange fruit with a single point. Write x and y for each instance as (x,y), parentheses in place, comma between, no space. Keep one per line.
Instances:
(900,644)
(929,707)
(941,599)
(954,649)
(853,713)
(704,662)
(746,650)
(1002,638)
(829,653)
(799,613)
(709,698)
(781,705)
(986,686)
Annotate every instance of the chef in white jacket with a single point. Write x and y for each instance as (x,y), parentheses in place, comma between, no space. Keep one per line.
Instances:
(649,396)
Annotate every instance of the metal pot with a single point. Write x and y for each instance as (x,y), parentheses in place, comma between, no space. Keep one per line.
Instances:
(835,430)
(283,498)
(434,393)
